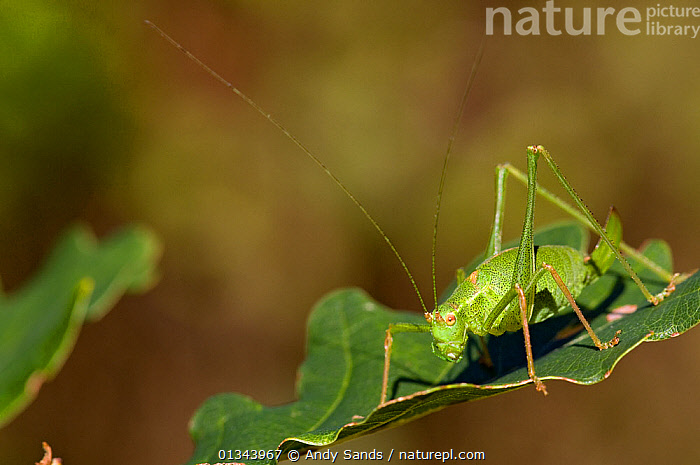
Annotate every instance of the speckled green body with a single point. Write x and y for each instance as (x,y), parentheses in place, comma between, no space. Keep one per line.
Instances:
(476,296)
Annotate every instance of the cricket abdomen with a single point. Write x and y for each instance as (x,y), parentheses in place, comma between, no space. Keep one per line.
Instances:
(570,265)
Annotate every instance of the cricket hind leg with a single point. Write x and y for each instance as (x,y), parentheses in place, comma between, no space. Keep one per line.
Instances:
(583,215)
(676,279)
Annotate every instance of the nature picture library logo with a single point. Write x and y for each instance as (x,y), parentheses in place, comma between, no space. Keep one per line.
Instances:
(657,20)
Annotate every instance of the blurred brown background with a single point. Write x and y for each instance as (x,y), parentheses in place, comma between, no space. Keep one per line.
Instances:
(102,121)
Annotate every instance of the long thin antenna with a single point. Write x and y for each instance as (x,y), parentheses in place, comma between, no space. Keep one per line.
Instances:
(298,143)
(450,144)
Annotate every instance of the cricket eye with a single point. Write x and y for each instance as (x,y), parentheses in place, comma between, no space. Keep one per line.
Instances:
(450,319)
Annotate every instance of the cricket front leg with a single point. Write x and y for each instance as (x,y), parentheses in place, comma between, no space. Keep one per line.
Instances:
(388,345)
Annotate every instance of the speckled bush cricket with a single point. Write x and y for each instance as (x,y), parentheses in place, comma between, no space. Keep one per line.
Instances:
(511,288)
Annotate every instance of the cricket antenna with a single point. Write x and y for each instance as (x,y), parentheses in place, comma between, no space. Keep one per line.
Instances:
(298,143)
(450,144)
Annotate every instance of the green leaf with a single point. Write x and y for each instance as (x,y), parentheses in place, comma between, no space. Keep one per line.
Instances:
(81,280)
(340,381)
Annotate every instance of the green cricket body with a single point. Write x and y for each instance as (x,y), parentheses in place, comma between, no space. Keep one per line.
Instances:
(468,308)
(516,287)
(486,301)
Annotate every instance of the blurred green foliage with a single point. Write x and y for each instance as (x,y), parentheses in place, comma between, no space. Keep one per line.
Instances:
(81,281)
(65,129)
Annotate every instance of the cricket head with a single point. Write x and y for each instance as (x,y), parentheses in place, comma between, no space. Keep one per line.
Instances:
(449,331)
